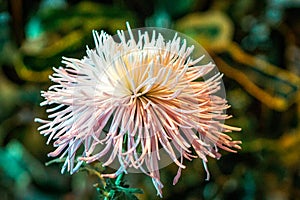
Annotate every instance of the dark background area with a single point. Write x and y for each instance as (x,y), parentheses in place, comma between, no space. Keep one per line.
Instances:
(256,45)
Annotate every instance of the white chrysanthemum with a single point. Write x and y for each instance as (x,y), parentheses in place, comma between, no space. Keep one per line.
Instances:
(128,100)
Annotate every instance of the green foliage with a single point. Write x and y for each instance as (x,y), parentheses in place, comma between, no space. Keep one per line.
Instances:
(111,189)
(117,190)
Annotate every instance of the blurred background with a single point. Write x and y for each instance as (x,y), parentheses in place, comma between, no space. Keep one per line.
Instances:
(255,43)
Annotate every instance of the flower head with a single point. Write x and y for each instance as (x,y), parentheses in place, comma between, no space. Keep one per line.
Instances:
(133,97)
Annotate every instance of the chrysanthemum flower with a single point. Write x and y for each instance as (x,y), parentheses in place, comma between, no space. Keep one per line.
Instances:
(129,100)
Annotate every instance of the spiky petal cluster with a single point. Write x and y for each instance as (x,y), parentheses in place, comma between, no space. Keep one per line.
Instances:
(127,101)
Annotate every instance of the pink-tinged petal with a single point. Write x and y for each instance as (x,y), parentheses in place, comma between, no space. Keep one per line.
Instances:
(176,178)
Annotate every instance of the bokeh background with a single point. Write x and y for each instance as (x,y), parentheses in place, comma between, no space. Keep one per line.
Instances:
(255,43)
